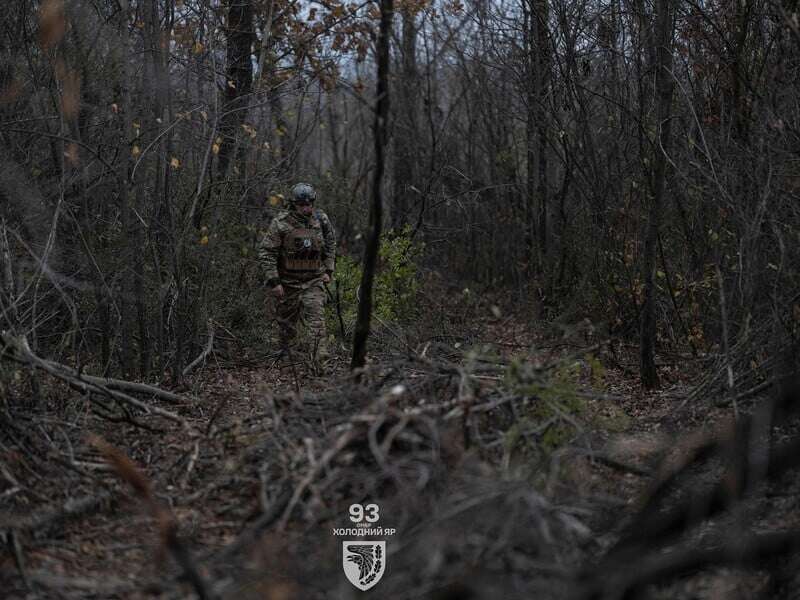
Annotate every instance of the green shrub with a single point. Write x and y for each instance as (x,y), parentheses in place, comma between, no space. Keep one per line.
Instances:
(555,410)
(396,284)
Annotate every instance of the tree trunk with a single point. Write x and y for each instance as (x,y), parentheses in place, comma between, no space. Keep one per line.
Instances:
(126,322)
(238,78)
(405,131)
(536,15)
(542,58)
(664,86)
(376,208)
(8,292)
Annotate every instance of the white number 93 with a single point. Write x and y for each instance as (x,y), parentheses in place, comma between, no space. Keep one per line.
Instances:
(358,513)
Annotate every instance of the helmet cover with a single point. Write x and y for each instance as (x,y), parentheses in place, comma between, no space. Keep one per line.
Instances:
(303,193)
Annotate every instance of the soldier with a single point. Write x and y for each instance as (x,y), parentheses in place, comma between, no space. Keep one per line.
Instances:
(298,255)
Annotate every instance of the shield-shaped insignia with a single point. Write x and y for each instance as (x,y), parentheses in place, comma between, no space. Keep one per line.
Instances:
(363,562)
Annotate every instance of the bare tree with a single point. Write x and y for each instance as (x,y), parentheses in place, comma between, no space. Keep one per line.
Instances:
(376,205)
(664,31)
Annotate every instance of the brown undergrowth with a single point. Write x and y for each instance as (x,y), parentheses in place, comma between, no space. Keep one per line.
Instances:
(513,461)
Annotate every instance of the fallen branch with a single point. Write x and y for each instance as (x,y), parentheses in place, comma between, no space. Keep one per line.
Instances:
(615,464)
(126,386)
(22,353)
(167,524)
(623,582)
(204,354)
(107,587)
(53,515)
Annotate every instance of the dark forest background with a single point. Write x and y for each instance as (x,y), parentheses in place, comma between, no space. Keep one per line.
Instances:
(635,163)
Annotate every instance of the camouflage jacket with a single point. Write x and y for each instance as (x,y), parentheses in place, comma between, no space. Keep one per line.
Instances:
(271,248)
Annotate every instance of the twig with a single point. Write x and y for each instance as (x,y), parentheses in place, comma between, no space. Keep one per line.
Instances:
(190,467)
(615,464)
(204,354)
(53,515)
(341,442)
(19,560)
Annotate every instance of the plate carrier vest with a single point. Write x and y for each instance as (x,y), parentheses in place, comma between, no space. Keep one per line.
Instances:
(302,251)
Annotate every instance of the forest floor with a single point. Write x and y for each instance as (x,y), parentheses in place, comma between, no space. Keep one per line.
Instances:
(492,496)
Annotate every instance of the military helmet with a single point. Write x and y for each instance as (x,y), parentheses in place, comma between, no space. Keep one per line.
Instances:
(303,193)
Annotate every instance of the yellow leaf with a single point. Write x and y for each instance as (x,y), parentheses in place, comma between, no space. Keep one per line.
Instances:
(135,151)
(197,48)
(274,200)
(175,163)
(204,240)
(218,140)
(215,148)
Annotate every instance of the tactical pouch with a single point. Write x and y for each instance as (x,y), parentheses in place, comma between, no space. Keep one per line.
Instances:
(302,251)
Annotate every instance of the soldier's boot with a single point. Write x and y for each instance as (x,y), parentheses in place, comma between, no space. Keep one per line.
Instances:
(285,337)
(320,358)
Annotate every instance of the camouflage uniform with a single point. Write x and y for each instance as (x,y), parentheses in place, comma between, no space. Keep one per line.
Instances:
(296,252)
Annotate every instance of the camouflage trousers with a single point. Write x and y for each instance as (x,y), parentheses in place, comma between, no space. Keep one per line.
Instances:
(301,312)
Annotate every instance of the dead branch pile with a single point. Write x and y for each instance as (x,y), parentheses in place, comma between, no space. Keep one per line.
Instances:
(681,527)
(764,353)
(108,395)
(243,492)
(255,494)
